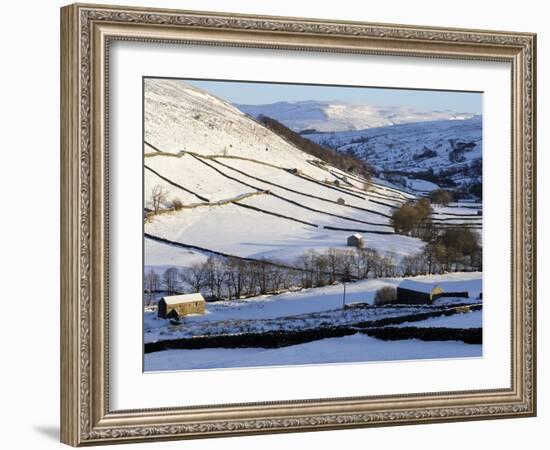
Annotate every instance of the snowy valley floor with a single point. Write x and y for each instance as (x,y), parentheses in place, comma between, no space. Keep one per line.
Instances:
(316,309)
(356,348)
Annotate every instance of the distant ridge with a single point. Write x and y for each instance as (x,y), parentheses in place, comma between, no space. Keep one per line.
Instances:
(342,116)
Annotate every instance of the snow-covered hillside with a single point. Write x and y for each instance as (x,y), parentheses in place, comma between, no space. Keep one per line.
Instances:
(450,146)
(247,192)
(343,116)
(180,117)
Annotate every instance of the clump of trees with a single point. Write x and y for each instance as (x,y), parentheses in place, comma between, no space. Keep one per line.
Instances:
(447,249)
(412,218)
(477,190)
(344,161)
(385,295)
(177,204)
(453,249)
(441,197)
(425,154)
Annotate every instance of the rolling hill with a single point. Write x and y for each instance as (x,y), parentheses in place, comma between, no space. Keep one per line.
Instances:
(343,116)
(398,141)
(450,148)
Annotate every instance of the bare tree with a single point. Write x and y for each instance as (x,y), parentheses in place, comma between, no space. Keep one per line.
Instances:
(306,262)
(215,276)
(413,265)
(235,276)
(195,276)
(347,264)
(334,258)
(369,258)
(151,284)
(250,280)
(263,273)
(320,265)
(170,278)
(282,278)
(158,197)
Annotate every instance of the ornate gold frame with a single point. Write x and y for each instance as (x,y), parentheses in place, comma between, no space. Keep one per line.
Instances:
(86,31)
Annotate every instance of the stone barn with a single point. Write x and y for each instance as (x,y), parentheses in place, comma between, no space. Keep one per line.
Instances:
(174,306)
(356,240)
(416,292)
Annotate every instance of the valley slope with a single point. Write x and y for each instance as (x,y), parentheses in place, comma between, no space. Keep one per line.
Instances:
(247,192)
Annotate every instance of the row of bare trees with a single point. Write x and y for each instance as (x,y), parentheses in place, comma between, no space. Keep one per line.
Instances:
(224,278)
(232,278)
(336,265)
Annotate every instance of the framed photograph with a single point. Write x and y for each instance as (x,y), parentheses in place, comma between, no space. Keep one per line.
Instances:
(278,224)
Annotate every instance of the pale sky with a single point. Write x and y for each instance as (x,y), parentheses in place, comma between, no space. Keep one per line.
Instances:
(264,93)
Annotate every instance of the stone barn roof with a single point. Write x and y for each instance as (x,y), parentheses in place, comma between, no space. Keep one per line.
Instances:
(184,298)
(418,286)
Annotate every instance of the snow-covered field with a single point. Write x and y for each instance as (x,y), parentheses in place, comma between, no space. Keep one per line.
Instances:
(347,349)
(307,308)
(472,319)
(249,193)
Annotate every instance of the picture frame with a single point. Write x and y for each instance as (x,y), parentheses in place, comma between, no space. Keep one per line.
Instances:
(87,32)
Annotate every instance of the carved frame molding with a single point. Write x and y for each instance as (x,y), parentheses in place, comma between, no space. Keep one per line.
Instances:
(86,32)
